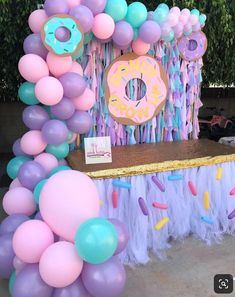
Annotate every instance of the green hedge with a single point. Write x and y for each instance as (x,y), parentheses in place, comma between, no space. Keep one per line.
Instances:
(220,30)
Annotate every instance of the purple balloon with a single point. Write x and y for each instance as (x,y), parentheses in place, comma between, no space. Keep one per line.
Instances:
(84,15)
(80,122)
(56,6)
(33,45)
(77,289)
(150,32)
(150,16)
(17,148)
(11,223)
(29,283)
(55,132)
(123,235)
(104,280)
(34,117)
(30,174)
(74,84)
(123,33)
(96,6)
(7,255)
(64,109)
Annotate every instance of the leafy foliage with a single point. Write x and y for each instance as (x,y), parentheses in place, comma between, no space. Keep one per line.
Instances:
(220,30)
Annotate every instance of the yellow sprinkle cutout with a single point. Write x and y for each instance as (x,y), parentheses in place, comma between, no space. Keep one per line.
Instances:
(206,200)
(161,224)
(219,173)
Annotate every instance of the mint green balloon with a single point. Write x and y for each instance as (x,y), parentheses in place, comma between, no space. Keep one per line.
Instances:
(27,93)
(88,37)
(14,165)
(11,283)
(38,189)
(136,14)
(96,240)
(58,169)
(78,54)
(195,11)
(202,19)
(59,151)
(117,9)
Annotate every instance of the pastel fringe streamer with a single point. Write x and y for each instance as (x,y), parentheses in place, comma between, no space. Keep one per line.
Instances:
(187,214)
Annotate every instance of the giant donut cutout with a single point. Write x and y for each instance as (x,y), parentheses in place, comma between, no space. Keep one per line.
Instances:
(62,48)
(193,47)
(129,67)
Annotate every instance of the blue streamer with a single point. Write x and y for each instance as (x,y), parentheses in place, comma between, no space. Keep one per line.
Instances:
(120,184)
(175,177)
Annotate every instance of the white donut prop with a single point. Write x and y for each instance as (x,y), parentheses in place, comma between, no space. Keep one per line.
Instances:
(129,67)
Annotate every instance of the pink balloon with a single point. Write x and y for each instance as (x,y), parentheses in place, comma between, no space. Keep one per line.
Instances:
(77,68)
(103,26)
(37,19)
(31,239)
(19,201)
(48,161)
(49,90)
(73,3)
(178,28)
(175,10)
(60,265)
(58,65)
(193,19)
(32,68)
(184,16)
(15,184)
(73,138)
(86,101)
(32,143)
(197,27)
(67,200)
(139,47)
(172,19)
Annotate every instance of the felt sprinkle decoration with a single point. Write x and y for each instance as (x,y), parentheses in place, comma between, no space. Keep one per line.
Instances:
(206,200)
(115,199)
(159,205)
(231,215)
(143,206)
(192,188)
(159,184)
(207,220)
(161,223)
(175,177)
(120,184)
(232,193)
(219,174)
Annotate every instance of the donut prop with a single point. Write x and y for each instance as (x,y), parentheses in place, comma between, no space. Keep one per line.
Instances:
(62,48)
(193,47)
(120,73)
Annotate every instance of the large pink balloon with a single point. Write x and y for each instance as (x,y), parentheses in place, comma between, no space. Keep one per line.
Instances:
(76,68)
(49,90)
(31,239)
(86,101)
(32,67)
(73,3)
(67,200)
(103,26)
(32,143)
(48,161)
(60,265)
(139,47)
(58,65)
(37,19)
(19,201)
(15,184)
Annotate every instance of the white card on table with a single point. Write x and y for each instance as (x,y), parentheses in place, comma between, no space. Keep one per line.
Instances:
(98,150)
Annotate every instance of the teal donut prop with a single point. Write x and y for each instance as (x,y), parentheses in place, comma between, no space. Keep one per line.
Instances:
(62,48)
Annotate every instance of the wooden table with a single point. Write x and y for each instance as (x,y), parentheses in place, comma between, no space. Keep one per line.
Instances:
(151,158)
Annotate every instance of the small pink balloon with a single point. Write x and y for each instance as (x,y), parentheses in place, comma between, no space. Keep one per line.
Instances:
(172,19)
(15,184)
(103,26)
(193,19)
(86,101)
(18,265)
(67,200)
(49,90)
(73,138)
(77,68)
(32,143)
(58,65)
(33,68)
(73,3)
(175,10)
(178,28)
(60,265)
(37,19)
(139,47)
(19,201)
(48,161)
(31,239)
(197,27)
